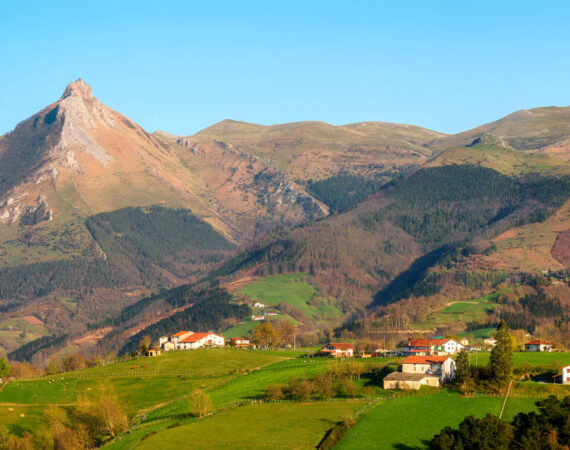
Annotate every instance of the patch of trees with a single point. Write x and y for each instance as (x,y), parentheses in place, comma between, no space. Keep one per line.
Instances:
(341,192)
(42,278)
(209,310)
(283,251)
(549,428)
(445,204)
(157,235)
(27,351)
(540,305)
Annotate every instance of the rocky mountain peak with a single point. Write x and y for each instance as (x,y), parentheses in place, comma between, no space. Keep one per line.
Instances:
(78,88)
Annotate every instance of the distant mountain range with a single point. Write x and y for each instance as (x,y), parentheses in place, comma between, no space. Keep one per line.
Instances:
(96,213)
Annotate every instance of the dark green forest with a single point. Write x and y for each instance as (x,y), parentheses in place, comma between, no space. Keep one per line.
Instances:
(135,242)
(208,311)
(450,204)
(341,192)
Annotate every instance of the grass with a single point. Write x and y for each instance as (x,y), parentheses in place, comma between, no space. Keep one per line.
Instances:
(481,333)
(140,383)
(19,419)
(293,289)
(240,330)
(557,359)
(410,421)
(281,425)
(464,311)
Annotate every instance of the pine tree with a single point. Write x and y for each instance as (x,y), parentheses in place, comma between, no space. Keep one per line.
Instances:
(501,363)
(462,368)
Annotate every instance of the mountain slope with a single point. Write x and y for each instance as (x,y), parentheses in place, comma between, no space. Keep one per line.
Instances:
(538,130)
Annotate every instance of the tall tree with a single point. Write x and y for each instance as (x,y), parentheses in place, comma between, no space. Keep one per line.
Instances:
(462,368)
(501,363)
(4,368)
(265,335)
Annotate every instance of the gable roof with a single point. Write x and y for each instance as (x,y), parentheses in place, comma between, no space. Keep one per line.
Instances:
(180,333)
(195,337)
(341,345)
(538,342)
(414,359)
(428,342)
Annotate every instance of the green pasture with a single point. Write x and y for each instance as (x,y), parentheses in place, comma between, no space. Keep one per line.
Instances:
(479,334)
(19,419)
(408,422)
(241,329)
(546,359)
(293,289)
(277,425)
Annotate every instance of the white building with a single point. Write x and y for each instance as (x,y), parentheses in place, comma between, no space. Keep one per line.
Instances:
(199,340)
(188,340)
(566,375)
(421,370)
(538,345)
(433,346)
(258,305)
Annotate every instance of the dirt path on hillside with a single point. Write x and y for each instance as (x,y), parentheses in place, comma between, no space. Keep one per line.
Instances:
(165,315)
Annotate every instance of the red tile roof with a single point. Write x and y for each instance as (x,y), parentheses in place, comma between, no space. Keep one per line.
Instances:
(339,346)
(428,342)
(537,342)
(195,337)
(180,333)
(414,359)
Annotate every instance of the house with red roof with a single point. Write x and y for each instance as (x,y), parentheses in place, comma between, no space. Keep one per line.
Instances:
(432,346)
(418,370)
(338,350)
(187,340)
(199,340)
(538,345)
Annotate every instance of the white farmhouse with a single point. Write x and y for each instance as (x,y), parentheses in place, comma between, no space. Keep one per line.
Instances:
(538,345)
(258,305)
(199,340)
(421,370)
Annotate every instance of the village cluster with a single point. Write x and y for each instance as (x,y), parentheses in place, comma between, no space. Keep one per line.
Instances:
(427,361)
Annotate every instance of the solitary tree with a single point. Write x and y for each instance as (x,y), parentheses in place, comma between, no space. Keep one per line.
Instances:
(265,335)
(4,368)
(462,369)
(199,403)
(501,363)
(144,344)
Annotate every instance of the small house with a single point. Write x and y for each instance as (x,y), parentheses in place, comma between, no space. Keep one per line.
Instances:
(258,305)
(257,317)
(338,350)
(154,352)
(566,375)
(490,342)
(416,371)
(432,346)
(240,342)
(538,345)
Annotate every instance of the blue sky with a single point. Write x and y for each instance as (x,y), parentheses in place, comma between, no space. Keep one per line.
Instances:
(181,66)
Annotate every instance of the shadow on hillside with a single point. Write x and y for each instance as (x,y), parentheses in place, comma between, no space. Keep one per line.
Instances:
(406,282)
(407,447)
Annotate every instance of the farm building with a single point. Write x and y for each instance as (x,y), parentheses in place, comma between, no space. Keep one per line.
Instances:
(490,342)
(432,346)
(199,340)
(240,342)
(566,375)
(258,305)
(257,317)
(338,350)
(188,340)
(421,370)
(538,345)
(153,352)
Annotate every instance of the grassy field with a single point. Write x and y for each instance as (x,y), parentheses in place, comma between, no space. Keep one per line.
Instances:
(292,288)
(281,425)
(554,359)
(240,330)
(464,311)
(409,422)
